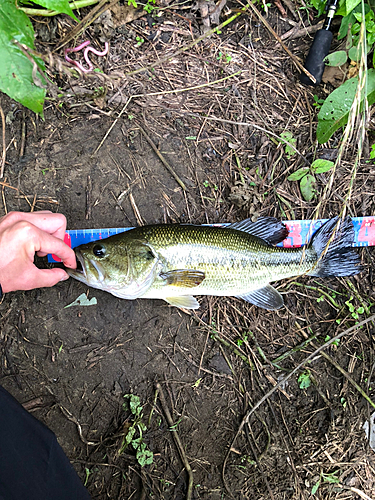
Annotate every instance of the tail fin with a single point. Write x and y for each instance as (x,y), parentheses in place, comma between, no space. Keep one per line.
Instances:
(336,257)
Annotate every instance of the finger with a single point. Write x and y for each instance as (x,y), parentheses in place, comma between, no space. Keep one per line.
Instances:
(66,240)
(45,278)
(47,243)
(54,224)
(45,220)
(12,217)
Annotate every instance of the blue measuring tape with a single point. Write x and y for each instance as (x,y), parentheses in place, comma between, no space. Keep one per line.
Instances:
(300,231)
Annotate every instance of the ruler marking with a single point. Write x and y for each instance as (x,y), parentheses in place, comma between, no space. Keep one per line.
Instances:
(300,231)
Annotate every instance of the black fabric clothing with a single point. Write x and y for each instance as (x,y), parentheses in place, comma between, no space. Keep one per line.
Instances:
(33,465)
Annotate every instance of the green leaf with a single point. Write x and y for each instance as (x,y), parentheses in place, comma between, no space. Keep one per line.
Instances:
(144,457)
(337,58)
(304,380)
(135,404)
(355,53)
(350,305)
(298,174)
(344,26)
(307,186)
(330,478)
(346,7)
(320,166)
(334,112)
(138,443)
(356,28)
(61,6)
(16,70)
(288,136)
(142,426)
(319,5)
(315,487)
(129,436)
(370,40)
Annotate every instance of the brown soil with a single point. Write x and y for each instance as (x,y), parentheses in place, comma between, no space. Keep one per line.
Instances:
(72,367)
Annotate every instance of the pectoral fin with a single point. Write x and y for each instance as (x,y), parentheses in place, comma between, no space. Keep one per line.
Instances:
(185,278)
(184,301)
(267,298)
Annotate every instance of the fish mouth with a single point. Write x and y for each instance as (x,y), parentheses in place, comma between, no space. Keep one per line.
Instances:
(80,272)
(88,270)
(79,268)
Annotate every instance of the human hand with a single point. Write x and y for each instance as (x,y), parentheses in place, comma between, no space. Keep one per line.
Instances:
(21,236)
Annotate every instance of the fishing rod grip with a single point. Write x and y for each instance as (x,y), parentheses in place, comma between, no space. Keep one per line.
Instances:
(315,59)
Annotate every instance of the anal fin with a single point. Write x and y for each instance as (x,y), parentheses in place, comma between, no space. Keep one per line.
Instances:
(184,301)
(266,297)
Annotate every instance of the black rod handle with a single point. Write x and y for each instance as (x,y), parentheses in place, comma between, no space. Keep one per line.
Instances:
(315,59)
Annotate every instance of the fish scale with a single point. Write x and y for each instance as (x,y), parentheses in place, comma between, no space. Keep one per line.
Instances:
(234,262)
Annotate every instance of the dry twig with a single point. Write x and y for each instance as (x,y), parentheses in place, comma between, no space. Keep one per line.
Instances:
(348,377)
(88,198)
(177,440)
(73,419)
(111,127)
(162,159)
(273,32)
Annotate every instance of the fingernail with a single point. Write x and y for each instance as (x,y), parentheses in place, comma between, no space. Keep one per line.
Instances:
(66,277)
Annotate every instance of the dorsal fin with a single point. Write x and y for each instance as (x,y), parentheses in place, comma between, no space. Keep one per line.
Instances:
(267,228)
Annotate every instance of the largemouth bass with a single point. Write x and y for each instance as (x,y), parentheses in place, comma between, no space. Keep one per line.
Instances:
(176,262)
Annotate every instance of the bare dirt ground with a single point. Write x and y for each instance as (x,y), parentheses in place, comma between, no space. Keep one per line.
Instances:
(72,367)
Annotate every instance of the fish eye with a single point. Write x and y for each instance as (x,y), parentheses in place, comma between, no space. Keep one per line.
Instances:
(99,251)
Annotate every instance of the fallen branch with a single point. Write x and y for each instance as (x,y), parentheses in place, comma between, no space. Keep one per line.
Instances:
(298,33)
